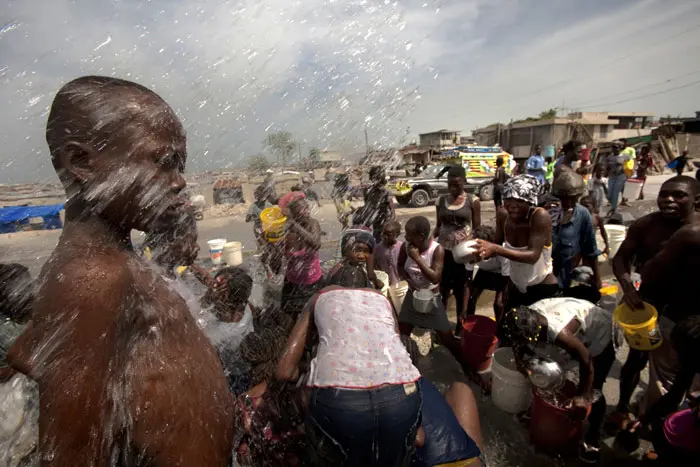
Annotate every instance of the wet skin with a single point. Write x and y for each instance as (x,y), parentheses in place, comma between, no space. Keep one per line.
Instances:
(125,375)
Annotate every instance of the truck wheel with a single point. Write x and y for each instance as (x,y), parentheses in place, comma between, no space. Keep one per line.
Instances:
(486,192)
(420,198)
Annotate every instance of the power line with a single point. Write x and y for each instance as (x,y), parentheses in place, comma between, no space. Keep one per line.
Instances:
(641,88)
(682,86)
(611,62)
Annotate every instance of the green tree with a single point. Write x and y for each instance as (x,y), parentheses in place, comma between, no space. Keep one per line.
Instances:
(258,163)
(280,144)
(314,155)
(548,114)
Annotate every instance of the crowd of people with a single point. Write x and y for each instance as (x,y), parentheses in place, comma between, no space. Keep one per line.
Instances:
(144,358)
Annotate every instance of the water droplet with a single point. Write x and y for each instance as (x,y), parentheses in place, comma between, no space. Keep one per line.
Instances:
(409,45)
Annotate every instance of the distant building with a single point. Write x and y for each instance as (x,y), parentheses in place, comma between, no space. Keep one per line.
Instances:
(520,138)
(441,139)
(466,140)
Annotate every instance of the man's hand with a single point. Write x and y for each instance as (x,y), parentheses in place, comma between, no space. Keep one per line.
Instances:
(631,297)
(378,284)
(485,249)
(581,407)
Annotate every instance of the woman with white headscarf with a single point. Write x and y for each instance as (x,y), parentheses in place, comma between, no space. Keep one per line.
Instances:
(524,238)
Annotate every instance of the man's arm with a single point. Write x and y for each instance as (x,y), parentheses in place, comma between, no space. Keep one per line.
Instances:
(288,365)
(311,237)
(622,262)
(476,213)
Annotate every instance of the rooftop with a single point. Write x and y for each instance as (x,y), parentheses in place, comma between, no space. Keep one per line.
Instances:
(440,131)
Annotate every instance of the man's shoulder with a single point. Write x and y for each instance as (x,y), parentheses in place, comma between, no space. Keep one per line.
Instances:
(96,271)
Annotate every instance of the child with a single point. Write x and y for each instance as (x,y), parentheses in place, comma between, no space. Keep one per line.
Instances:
(357,246)
(420,264)
(577,328)
(341,196)
(386,257)
(498,180)
(259,205)
(230,321)
(588,202)
(304,276)
(491,275)
(597,187)
(119,360)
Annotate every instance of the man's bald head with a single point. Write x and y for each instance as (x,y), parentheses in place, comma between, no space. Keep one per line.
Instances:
(100,111)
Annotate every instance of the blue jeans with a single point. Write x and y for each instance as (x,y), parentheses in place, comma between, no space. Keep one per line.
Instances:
(364,428)
(615,186)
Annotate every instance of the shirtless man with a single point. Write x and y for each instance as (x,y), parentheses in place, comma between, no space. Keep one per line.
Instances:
(645,239)
(125,376)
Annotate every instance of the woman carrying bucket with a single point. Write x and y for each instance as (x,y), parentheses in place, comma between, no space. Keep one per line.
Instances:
(302,241)
(576,328)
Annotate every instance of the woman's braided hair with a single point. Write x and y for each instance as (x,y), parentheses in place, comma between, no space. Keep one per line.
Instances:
(263,347)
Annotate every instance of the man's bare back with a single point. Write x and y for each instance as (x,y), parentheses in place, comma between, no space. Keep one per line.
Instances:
(142,385)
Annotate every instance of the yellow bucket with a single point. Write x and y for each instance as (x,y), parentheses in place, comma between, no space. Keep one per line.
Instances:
(640,327)
(273,224)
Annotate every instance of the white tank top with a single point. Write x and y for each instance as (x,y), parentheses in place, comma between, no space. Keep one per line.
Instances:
(414,271)
(359,347)
(524,275)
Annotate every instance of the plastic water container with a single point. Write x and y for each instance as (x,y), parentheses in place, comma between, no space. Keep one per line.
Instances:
(397,293)
(549,151)
(616,235)
(233,253)
(633,187)
(384,277)
(552,428)
(478,341)
(216,250)
(640,327)
(511,391)
(273,222)
(423,300)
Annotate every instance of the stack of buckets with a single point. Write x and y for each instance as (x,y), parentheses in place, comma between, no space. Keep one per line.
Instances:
(230,253)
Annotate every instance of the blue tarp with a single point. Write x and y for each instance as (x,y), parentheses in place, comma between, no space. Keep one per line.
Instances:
(12,216)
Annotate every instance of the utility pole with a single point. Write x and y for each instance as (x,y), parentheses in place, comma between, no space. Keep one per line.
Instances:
(366,143)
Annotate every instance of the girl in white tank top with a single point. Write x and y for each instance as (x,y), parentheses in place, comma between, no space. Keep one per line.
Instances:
(414,272)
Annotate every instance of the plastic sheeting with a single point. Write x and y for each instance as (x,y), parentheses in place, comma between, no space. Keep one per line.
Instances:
(12,216)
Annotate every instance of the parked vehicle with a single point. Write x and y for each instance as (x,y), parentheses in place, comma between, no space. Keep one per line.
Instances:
(479,163)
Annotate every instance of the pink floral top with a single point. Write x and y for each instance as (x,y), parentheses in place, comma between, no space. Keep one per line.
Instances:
(359,346)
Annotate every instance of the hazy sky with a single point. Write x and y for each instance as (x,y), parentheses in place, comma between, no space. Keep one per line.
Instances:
(326,69)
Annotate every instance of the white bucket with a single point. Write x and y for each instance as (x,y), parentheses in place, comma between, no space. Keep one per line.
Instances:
(510,391)
(601,246)
(233,254)
(216,249)
(423,300)
(633,188)
(616,234)
(384,277)
(398,292)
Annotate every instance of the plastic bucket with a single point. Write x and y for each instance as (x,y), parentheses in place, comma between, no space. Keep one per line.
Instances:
(233,253)
(633,187)
(549,151)
(216,249)
(640,327)
(397,293)
(552,429)
(273,223)
(511,391)
(384,277)
(616,235)
(423,300)
(478,341)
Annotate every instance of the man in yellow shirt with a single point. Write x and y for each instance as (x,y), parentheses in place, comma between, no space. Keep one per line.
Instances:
(630,155)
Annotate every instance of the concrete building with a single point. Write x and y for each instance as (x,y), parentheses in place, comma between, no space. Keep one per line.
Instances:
(440,139)
(520,138)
